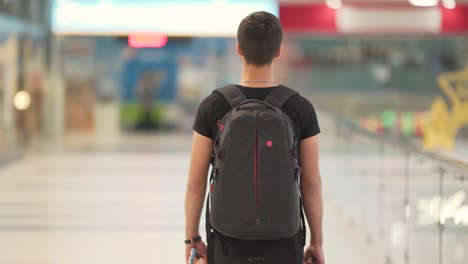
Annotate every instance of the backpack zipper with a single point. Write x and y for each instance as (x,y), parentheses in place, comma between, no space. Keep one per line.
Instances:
(257,170)
(259,166)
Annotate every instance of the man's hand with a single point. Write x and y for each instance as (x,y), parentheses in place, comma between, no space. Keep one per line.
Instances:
(314,255)
(200,246)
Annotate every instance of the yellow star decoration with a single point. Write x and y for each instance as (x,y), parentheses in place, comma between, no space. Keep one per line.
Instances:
(443,121)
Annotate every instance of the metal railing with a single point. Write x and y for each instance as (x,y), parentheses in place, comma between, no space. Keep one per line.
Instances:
(411,204)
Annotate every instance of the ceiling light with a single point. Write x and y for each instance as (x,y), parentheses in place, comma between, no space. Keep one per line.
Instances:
(334,4)
(424,3)
(22,100)
(449,4)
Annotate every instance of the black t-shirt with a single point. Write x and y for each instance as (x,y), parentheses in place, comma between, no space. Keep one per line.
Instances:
(214,107)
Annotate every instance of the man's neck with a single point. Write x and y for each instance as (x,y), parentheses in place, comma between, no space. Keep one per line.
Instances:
(258,77)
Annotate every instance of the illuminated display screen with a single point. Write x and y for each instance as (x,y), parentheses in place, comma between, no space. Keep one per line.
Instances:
(175,17)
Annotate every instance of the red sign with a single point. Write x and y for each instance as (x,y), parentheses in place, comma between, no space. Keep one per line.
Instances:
(149,40)
(455,20)
(308,18)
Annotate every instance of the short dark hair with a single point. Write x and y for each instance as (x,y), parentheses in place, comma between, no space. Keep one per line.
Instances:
(259,36)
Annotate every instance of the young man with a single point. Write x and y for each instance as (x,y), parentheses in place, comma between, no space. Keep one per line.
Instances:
(259,44)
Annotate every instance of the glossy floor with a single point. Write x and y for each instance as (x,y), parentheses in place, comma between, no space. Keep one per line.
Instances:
(121,205)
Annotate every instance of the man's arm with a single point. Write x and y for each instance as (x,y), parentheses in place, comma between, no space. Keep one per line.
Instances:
(311,191)
(197,181)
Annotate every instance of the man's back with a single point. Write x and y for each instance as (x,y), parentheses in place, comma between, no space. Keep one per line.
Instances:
(222,247)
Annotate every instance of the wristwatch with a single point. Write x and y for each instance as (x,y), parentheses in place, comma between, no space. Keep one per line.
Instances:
(193,240)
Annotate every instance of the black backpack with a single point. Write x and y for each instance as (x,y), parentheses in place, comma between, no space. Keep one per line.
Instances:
(254,184)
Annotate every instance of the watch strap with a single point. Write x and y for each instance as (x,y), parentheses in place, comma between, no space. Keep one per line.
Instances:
(193,240)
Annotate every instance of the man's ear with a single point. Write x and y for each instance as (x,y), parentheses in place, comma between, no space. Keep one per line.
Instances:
(239,51)
(279,52)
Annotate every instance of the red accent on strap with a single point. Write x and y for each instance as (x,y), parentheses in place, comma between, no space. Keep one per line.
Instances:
(220,126)
(211,188)
(293,154)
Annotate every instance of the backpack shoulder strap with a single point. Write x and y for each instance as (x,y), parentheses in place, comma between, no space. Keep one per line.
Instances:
(233,95)
(280,95)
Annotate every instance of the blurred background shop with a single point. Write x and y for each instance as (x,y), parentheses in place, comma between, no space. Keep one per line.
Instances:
(98,97)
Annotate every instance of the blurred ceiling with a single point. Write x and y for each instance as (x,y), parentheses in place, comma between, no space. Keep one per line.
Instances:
(370,2)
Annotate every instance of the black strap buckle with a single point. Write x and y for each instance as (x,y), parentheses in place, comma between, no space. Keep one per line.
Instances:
(215,174)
